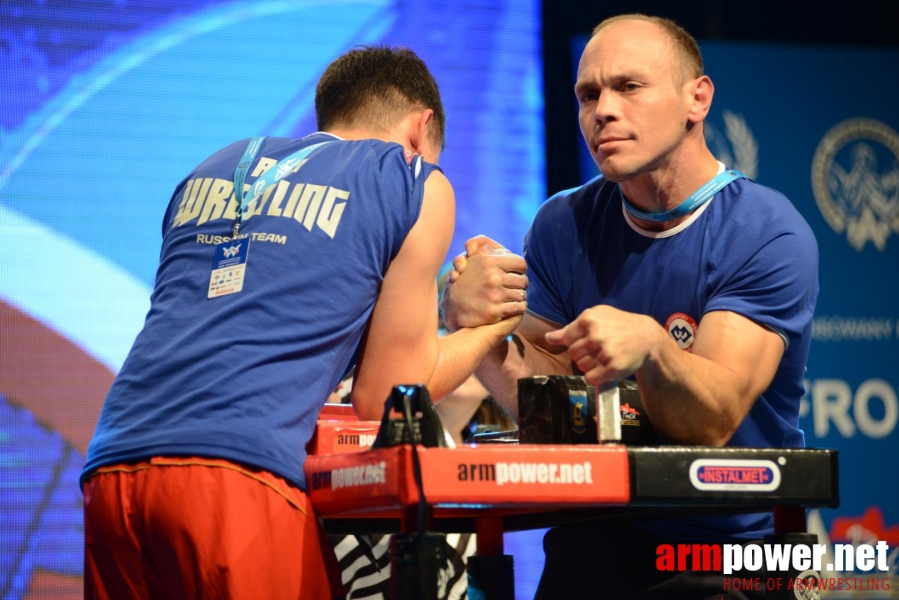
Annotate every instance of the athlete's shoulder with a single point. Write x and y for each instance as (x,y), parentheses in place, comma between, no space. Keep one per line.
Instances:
(438,184)
(578,202)
(751,216)
(769,209)
(596,189)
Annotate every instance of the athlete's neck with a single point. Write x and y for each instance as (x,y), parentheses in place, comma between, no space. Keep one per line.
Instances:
(663,189)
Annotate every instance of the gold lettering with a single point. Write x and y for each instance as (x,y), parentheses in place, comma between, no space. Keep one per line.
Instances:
(291,205)
(329,217)
(221,190)
(193,202)
(262,166)
(261,202)
(274,209)
(254,207)
(311,200)
(188,190)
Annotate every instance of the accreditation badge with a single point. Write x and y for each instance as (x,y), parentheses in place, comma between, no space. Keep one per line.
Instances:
(229,268)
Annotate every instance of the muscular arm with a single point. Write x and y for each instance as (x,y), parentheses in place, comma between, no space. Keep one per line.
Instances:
(703,397)
(691,398)
(527,354)
(401,345)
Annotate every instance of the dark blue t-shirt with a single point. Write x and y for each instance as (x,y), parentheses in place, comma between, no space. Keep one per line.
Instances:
(243,376)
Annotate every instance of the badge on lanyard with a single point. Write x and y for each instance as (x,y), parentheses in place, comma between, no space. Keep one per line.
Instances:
(230,264)
(229,267)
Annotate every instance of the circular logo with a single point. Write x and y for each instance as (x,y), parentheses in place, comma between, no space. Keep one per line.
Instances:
(807,585)
(683,329)
(855,180)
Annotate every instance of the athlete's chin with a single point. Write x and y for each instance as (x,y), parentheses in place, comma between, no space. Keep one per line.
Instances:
(614,171)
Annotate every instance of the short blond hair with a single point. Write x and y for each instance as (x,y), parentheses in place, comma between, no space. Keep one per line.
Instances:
(685,47)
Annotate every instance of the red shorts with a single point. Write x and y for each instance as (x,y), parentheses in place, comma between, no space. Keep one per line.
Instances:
(202,528)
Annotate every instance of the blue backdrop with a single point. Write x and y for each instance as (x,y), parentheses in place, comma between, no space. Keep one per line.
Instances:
(105,106)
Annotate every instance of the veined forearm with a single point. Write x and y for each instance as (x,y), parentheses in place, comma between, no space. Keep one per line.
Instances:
(507,363)
(691,399)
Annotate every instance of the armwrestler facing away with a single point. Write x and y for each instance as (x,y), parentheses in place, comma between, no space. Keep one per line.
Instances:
(194,482)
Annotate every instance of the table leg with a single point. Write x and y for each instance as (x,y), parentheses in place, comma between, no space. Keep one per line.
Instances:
(490,572)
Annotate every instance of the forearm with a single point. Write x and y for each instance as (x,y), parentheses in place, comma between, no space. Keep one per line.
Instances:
(440,363)
(698,397)
(459,353)
(510,361)
(690,399)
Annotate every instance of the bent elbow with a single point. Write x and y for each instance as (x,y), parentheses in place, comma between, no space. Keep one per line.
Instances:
(367,406)
(721,434)
(713,435)
(720,438)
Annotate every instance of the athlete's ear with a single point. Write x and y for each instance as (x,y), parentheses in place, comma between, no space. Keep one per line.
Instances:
(418,134)
(699,92)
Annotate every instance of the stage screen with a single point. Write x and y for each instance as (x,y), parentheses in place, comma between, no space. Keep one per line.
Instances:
(105,107)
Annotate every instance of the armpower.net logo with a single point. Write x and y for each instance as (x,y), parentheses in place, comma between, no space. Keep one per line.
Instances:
(503,473)
(740,563)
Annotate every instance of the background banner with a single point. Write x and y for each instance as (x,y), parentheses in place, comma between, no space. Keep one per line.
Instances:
(105,107)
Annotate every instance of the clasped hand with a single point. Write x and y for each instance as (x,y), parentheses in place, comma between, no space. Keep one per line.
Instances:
(487,285)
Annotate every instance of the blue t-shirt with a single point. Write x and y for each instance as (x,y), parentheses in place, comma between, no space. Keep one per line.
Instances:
(747,250)
(242,377)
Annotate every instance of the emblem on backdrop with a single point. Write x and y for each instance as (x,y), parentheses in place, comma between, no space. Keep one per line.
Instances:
(855,179)
(736,147)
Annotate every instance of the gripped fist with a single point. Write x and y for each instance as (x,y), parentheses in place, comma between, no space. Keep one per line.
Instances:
(488,284)
(608,344)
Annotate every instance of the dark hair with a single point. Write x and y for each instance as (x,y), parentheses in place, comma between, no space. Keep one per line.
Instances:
(375,87)
(685,46)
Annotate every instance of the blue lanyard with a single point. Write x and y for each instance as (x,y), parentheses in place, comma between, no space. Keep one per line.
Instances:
(696,199)
(272,176)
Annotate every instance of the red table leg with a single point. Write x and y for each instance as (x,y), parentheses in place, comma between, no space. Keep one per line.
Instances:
(789,519)
(490,535)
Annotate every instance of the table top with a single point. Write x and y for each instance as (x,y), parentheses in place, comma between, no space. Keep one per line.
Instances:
(527,484)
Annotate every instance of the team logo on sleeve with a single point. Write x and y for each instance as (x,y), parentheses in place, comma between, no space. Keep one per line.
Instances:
(682,328)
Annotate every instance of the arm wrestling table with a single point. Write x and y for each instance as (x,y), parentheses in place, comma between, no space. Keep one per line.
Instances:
(492,488)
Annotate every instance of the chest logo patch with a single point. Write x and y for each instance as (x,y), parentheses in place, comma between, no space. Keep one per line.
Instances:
(682,328)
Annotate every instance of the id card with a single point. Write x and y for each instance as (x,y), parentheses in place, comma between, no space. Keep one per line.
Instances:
(229,268)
